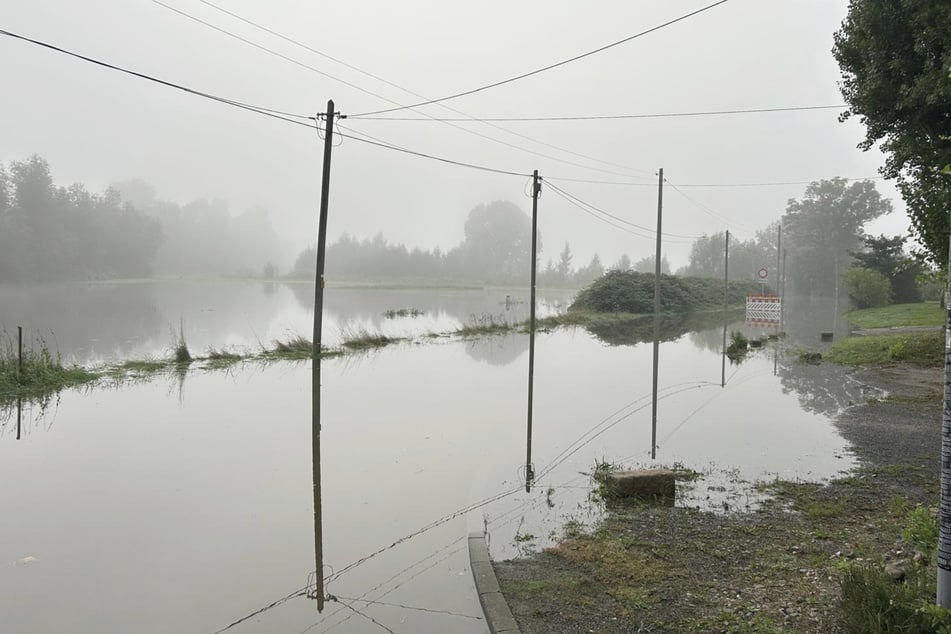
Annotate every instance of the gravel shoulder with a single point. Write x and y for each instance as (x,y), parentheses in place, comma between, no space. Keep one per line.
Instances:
(656,569)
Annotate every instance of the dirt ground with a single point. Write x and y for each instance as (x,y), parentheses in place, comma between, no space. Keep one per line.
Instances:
(656,569)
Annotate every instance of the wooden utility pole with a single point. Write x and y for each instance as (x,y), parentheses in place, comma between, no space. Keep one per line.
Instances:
(660,207)
(315,354)
(943,598)
(726,303)
(529,469)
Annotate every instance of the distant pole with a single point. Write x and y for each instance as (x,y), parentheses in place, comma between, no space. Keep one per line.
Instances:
(944,533)
(315,354)
(19,352)
(660,207)
(726,303)
(529,470)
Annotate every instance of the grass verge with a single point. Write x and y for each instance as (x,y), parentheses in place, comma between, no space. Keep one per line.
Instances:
(921,314)
(918,348)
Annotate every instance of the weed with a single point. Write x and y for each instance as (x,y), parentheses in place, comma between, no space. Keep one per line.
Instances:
(393,313)
(873,603)
(180,347)
(921,529)
(42,371)
(362,339)
(485,324)
(739,345)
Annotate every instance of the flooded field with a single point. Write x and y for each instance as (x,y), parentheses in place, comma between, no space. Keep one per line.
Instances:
(184,503)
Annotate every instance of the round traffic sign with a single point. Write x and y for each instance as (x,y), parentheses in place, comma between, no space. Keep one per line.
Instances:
(763,274)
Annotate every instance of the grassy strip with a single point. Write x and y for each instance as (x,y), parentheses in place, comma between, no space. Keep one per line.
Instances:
(918,348)
(921,314)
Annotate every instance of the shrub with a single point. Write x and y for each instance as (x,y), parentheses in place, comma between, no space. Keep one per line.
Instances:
(867,288)
(633,292)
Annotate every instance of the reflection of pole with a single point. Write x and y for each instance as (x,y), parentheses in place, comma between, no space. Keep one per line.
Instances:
(315,356)
(782,295)
(944,533)
(779,250)
(660,207)
(529,471)
(19,414)
(726,300)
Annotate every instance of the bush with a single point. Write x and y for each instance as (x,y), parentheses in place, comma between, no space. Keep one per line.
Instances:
(867,288)
(633,292)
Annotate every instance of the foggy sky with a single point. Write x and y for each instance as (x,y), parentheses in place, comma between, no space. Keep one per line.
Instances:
(97,126)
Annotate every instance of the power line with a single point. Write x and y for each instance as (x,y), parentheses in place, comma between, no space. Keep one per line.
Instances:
(380,143)
(465,117)
(550,66)
(704,208)
(619,219)
(270,112)
(609,117)
(601,218)
(765,184)
(270,51)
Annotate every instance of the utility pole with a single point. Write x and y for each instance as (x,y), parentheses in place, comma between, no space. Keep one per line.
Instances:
(726,304)
(315,354)
(660,206)
(529,469)
(944,533)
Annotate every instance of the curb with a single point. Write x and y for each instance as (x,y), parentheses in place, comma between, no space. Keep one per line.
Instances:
(498,616)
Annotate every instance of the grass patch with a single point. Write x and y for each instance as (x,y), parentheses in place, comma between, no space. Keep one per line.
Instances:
(42,371)
(485,324)
(872,603)
(362,339)
(921,314)
(296,348)
(918,348)
(181,354)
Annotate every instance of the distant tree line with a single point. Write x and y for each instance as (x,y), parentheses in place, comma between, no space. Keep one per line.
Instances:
(496,248)
(50,233)
(54,233)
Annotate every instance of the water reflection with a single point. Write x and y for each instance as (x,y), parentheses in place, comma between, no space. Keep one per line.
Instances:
(671,327)
(497,350)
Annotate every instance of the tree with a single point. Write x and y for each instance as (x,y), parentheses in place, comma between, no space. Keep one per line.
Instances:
(564,263)
(623,263)
(886,255)
(646,265)
(498,239)
(822,229)
(894,57)
(867,288)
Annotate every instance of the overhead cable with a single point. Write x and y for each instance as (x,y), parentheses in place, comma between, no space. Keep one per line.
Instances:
(764,184)
(550,66)
(386,99)
(610,117)
(271,112)
(464,118)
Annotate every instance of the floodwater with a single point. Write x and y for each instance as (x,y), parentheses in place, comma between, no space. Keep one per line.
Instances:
(184,503)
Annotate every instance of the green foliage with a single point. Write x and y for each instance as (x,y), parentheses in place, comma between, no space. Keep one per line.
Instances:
(633,292)
(867,288)
(823,227)
(894,57)
(739,344)
(921,530)
(920,348)
(920,314)
(872,603)
(886,255)
(42,371)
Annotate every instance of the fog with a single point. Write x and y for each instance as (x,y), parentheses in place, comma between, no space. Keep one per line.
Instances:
(101,128)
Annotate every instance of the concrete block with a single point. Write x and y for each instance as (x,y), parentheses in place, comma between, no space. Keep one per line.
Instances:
(643,483)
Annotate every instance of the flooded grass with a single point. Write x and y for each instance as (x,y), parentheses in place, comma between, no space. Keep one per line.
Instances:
(180,347)
(42,371)
(393,313)
(362,339)
(485,324)
(919,348)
